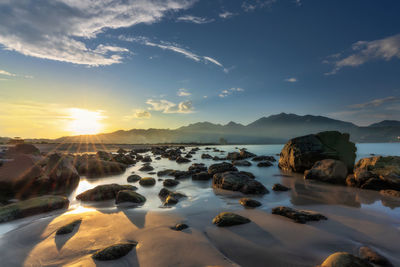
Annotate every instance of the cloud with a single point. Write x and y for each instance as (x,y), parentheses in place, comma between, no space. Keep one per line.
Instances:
(194,19)
(376,102)
(6,73)
(67,30)
(166,106)
(291,80)
(364,51)
(249,6)
(174,48)
(142,114)
(9,74)
(227,92)
(183,92)
(226,15)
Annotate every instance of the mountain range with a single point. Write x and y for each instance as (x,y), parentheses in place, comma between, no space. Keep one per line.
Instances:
(275,129)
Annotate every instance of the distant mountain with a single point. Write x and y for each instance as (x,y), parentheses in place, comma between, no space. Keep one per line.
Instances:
(275,129)
(386,123)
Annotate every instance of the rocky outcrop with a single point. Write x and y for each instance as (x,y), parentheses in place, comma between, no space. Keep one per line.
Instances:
(103,192)
(328,171)
(236,181)
(249,203)
(114,252)
(301,153)
(66,229)
(94,168)
(129,196)
(221,167)
(229,219)
(32,206)
(299,216)
(344,259)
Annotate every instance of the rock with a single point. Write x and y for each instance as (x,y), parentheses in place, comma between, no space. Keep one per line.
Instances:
(344,259)
(165,172)
(201,176)
(299,216)
(124,159)
(169,197)
(248,202)
(197,167)
(206,156)
(264,158)
(328,171)
(264,164)
(32,206)
(188,156)
(229,219)
(146,168)
(300,153)
(233,156)
(180,227)
(98,168)
(147,181)
(121,151)
(216,158)
(249,174)
(147,159)
(157,158)
(279,187)
(129,196)
(237,181)
(103,155)
(103,192)
(390,193)
(22,149)
(241,163)
(113,252)
(221,167)
(372,256)
(182,160)
(133,178)
(181,174)
(170,182)
(66,229)
(244,154)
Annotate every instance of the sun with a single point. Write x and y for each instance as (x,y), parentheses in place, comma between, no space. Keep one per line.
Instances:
(83,121)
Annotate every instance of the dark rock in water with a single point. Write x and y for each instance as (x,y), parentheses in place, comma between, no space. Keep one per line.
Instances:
(19,149)
(229,219)
(103,192)
(201,176)
(299,216)
(170,182)
(114,252)
(170,198)
(147,181)
(103,155)
(344,259)
(374,257)
(248,202)
(180,227)
(249,174)
(181,174)
(157,158)
(300,153)
(129,196)
(165,172)
(97,168)
(206,156)
(216,158)
(147,159)
(241,163)
(244,154)
(264,164)
(264,158)
(197,167)
(182,160)
(152,173)
(236,181)
(139,157)
(390,193)
(279,187)
(233,156)
(221,167)
(124,159)
(121,151)
(32,207)
(146,168)
(66,229)
(188,156)
(328,171)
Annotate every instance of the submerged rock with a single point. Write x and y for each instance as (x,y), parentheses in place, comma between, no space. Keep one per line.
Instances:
(328,171)
(114,252)
(221,167)
(300,153)
(264,164)
(129,196)
(197,167)
(264,158)
(248,202)
(133,178)
(299,216)
(229,219)
(147,181)
(32,207)
(66,229)
(344,259)
(165,172)
(206,156)
(170,182)
(236,181)
(201,176)
(374,257)
(241,163)
(103,192)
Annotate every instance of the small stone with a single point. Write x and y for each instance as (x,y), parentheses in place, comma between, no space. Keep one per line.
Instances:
(66,229)
(280,188)
(180,227)
(248,202)
(146,168)
(133,178)
(114,252)
(147,181)
(299,216)
(344,259)
(229,219)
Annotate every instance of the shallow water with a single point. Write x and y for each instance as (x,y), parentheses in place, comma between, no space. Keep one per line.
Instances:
(201,196)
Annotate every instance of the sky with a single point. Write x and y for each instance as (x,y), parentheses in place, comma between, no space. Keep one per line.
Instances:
(84,66)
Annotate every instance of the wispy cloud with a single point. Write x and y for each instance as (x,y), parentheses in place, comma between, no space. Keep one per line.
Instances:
(60,30)
(364,51)
(142,114)
(183,92)
(376,102)
(166,106)
(6,73)
(194,19)
(291,80)
(12,75)
(227,92)
(226,15)
(249,6)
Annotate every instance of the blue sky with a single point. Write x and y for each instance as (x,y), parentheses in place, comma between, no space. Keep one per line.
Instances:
(164,64)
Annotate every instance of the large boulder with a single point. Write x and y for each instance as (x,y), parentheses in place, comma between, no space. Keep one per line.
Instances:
(103,192)
(236,181)
(32,206)
(221,167)
(327,170)
(344,259)
(301,153)
(98,168)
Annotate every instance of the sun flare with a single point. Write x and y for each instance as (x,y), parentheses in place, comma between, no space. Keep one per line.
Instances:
(83,121)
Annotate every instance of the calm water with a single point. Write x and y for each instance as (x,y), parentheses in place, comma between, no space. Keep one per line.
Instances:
(201,195)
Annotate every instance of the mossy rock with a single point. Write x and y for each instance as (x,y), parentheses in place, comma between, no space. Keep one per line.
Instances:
(114,252)
(133,178)
(32,206)
(129,196)
(229,219)
(66,229)
(147,181)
